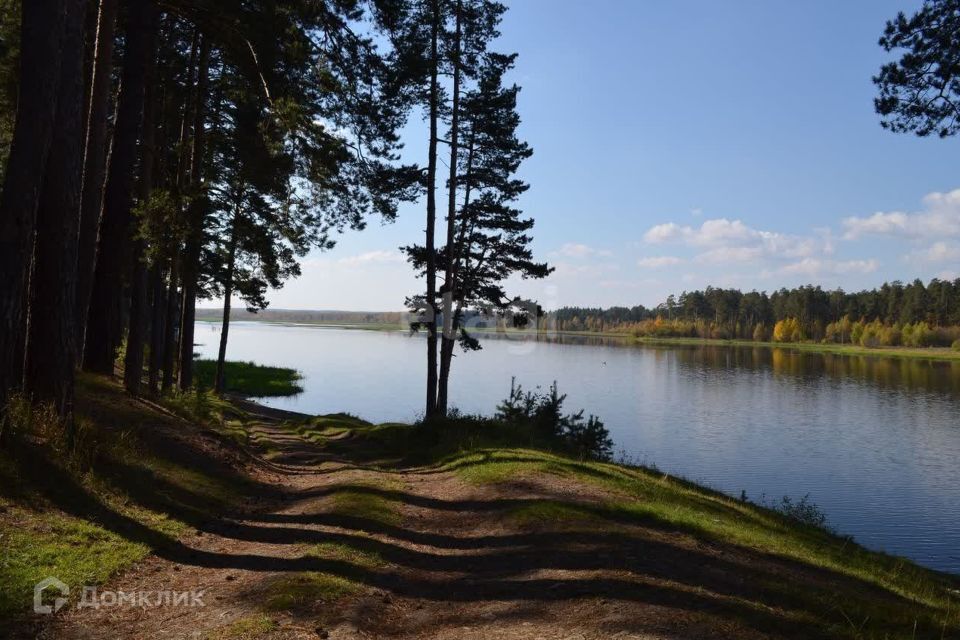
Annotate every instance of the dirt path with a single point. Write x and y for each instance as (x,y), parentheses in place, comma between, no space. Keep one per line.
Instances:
(351,551)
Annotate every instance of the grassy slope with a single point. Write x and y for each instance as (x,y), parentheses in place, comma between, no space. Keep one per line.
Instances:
(647,497)
(156,477)
(146,486)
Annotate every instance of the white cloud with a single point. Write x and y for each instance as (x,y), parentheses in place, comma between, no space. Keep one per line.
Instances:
(577,250)
(814,267)
(937,252)
(940,217)
(725,255)
(655,262)
(722,240)
(596,270)
(372,257)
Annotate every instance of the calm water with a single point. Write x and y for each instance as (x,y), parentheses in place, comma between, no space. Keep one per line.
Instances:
(875,442)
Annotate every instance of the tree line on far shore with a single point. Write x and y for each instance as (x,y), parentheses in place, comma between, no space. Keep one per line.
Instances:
(914,314)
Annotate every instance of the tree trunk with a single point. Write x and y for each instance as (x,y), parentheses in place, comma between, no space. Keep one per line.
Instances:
(449,282)
(227,294)
(139,308)
(195,216)
(432,217)
(104,321)
(157,307)
(94,163)
(41,29)
(170,326)
(50,346)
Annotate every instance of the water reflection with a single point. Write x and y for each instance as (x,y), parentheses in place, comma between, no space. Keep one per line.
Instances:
(889,373)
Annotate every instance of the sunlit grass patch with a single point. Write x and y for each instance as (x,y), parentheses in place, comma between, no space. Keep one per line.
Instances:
(249,628)
(366,500)
(551,512)
(490,466)
(34,546)
(363,558)
(303,589)
(250,379)
(651,499)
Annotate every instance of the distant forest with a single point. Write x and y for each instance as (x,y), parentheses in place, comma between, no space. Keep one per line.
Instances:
(301,316)
(896,314)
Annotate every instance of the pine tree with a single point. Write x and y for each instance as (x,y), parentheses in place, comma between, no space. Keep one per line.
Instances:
(491,240)
(920,92)
(39,78)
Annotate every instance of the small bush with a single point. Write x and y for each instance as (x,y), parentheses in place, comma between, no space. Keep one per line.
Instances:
(803,510)
(587,438)
(956,345)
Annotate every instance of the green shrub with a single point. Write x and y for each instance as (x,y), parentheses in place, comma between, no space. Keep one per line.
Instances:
(543,412)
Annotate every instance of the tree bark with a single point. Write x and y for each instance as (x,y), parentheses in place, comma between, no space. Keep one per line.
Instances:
(219,381)
(105,317)
(40,36)
(171,322)
(95,160)
(157,317)
(170,326)
(448,336)
(139,308)
(431,323)
(51,345)
(195,220)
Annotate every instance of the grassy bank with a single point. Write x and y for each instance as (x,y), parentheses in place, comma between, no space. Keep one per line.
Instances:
(834,586)
(249,379)
(142,478)
(925,353)
(155,478)
(921,353)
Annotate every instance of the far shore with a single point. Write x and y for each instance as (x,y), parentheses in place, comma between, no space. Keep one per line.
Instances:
(924,353)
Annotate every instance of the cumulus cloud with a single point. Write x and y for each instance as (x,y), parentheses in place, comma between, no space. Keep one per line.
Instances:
(940,217)
(721,240)
(726,255)
(937,252)
(577,250)
(655,262)
(814,267)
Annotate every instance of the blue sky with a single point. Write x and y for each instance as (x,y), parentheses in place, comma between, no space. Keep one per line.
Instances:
(682,143)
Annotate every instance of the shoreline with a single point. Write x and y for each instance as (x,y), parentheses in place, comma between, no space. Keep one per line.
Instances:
(938,354)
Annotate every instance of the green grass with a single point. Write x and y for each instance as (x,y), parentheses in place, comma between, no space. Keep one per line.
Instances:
(644,496)
(649,499)
(363,558)
(83,522)
(308,588)
(249,628)
(921,353)
(553,513)
(250,379)
(356,500)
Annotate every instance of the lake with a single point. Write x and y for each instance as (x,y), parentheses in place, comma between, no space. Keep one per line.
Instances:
(874,441)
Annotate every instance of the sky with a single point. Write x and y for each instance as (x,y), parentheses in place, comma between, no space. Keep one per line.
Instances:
(686,143)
